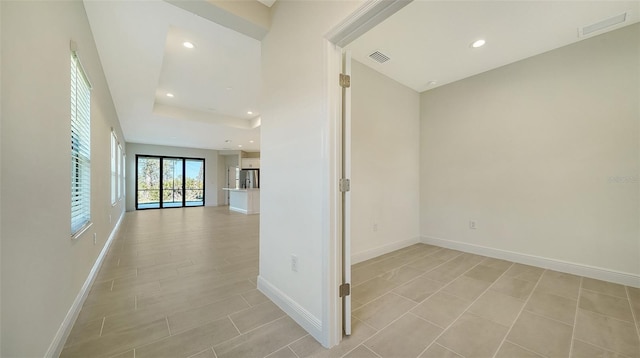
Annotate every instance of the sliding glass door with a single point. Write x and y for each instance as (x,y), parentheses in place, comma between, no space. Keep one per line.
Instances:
(172,182)
(161,182)
(194,185)
(147,183)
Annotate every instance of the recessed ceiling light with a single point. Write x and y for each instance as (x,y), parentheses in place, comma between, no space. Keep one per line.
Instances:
(249,112)
(432,83)
(188,44)
(239,145)
(478,43)
(170,95)
(250,141)
(228,141)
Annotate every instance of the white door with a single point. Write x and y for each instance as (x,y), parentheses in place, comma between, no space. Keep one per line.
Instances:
(346,195)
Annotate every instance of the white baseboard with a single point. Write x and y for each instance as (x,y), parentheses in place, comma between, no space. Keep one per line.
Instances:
(55,348)
(381,250)
(598,273)
(304,318)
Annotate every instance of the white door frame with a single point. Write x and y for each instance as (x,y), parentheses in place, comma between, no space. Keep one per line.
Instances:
(370,14)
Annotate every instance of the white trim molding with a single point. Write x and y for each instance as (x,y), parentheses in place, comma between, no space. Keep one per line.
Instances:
(381,250)
(598,273)
(304,318)
(55,348)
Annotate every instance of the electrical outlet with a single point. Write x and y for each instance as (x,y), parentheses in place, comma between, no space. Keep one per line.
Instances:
(95,238)
(294,263)
(472,224)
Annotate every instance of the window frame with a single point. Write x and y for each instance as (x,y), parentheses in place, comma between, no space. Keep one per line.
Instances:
(80,116)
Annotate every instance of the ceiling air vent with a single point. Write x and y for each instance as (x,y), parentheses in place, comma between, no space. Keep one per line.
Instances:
(603,24)
(379,57)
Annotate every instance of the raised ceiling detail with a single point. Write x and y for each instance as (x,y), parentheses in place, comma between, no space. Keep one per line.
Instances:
(214,84)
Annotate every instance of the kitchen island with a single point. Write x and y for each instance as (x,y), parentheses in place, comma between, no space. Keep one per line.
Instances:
(246,201)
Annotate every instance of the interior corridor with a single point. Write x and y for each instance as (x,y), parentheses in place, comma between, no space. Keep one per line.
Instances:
(181,283)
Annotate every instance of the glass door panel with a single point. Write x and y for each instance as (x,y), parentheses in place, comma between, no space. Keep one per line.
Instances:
(172,182)
(148,183)
(194,186)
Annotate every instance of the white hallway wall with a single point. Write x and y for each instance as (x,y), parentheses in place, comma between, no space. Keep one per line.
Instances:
(295,150)
(385,169)
(543,154)
(42,269)
(213,188)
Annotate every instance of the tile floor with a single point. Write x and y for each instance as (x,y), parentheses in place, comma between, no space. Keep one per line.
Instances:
(181,283)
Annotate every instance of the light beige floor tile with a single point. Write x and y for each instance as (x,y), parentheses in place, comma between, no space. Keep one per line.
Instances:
(607,305)
(363,274)
(485,273)
(446,254)
(190,342)
(84,332)
(585,350)
(426,263)
(541,335)
(103,308)
(441,308)
(194,317)
(254,297)
(309,347)
(419,289)
(438,351)
(607,288)
(514,287)
(466,287)
(134,285)
(473,336)
(380,312)
(207,353)
(502,265)
(552,306)
(372,289)
(525,272)
(608,333)
(560,284)
(113,272)
(285,352)
(401,275)
(406,337)
(256,316)
(510,350)
(119,342)
(128,354)
(210,272)
(497,307)
(361,352)
(262,341)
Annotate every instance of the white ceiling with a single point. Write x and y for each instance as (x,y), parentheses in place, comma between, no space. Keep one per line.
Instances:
(214,84)
(430,40)
(218,82)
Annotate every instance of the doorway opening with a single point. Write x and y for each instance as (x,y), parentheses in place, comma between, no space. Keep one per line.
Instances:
(169,182)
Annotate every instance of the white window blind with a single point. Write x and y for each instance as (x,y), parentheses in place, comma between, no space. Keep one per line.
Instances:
(119,169)
(114,168)
(80,147)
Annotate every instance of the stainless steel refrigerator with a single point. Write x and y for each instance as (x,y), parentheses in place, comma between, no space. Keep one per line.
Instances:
(249,178)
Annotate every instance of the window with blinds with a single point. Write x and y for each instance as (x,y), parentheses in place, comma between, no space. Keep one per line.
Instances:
(80,148)
(114,169)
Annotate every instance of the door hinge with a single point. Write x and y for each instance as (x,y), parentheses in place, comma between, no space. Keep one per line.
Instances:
(345,81)
(345,289)
(345,185)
